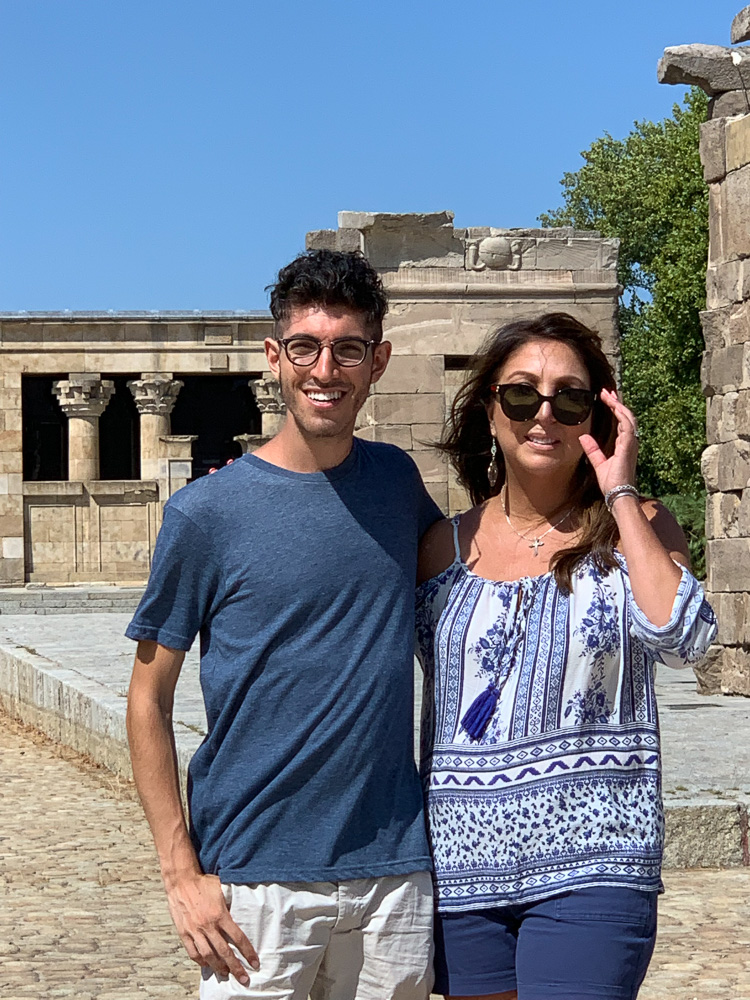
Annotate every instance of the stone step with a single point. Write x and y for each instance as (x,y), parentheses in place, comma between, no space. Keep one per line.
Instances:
(68,600)
(69,678)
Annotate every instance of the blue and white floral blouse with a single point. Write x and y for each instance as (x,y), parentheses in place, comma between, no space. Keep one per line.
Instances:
(563,790)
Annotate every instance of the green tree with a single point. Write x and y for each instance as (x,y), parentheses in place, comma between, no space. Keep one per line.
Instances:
(648,190)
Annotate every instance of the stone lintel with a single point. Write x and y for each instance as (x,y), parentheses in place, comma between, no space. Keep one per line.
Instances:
(52,488)
(741,27)
(127,490)
(714,68)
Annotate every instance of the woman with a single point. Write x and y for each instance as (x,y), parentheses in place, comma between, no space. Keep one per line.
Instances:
(541,615)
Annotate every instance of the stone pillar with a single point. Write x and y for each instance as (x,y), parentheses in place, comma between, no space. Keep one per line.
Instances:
(272,408)
(155,394)
(83,399)
(724,74)
(176,466)
(249,442)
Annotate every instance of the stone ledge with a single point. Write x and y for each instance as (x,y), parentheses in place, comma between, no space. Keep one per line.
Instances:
(706,833)
(76,711)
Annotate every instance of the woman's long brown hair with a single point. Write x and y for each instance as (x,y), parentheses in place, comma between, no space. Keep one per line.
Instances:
(467,439)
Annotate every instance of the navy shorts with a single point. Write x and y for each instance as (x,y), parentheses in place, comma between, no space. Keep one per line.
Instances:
(594,942)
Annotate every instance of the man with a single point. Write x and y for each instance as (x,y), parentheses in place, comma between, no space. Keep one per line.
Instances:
(306,869)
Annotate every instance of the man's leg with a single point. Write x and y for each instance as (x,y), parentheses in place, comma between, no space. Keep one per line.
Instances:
(381,947)
(290,926)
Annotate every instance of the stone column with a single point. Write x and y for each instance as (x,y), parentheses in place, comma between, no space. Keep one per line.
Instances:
(155,394)
(724,74)
(83,399)
(267,392)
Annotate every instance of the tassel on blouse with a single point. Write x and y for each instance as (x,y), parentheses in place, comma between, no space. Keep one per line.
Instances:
(481,710)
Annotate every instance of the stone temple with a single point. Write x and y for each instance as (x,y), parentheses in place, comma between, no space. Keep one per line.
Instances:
(104,416)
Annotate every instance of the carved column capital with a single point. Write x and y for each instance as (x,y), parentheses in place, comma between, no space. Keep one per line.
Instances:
(267,392)
(155,394)
(83,395)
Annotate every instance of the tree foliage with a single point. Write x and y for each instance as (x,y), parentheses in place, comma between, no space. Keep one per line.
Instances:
(648,190)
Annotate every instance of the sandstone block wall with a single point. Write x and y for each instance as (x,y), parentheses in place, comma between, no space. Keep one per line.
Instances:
(725,152)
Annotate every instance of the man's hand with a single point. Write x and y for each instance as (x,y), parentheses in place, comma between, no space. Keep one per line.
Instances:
(207,929)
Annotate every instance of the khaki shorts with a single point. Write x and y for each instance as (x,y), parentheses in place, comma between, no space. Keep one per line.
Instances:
(364,939)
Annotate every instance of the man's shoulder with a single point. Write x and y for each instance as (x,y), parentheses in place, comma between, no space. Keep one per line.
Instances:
(387,455)
(205,500)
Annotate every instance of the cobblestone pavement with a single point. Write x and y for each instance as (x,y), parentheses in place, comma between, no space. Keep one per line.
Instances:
(82,912)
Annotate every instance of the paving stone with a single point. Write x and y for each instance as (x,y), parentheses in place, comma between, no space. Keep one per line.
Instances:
(82,942)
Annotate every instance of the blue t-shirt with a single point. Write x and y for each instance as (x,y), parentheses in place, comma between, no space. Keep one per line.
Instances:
(302,588)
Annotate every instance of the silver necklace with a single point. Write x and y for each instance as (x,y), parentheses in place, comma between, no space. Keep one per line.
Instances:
(535,543)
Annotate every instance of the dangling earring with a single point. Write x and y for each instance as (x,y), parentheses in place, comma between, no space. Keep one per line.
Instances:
(492,470)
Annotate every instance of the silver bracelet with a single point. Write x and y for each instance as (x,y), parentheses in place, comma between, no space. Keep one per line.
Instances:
(626,490)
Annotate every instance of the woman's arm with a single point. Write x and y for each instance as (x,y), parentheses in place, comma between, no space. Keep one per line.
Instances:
(652,543)
(435,550)
(650,538)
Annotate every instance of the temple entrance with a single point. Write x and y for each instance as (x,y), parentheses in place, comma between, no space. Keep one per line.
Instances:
(45,430)
(119,436)
(216,408)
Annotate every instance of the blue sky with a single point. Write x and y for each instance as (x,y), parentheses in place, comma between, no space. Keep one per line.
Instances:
(172,155)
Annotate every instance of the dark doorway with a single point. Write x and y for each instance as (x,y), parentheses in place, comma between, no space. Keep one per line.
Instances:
(119,433)
(45,430)
(216,408)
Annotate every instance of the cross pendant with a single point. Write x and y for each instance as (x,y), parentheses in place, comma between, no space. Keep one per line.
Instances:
(535,545)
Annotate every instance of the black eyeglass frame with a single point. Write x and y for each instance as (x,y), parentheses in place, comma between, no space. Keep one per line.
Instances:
(561,416)
(332,344)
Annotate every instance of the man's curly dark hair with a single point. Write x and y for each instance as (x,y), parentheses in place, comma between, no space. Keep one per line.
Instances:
(329,278)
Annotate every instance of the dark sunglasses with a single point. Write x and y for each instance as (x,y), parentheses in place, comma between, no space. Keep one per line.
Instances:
(519,401)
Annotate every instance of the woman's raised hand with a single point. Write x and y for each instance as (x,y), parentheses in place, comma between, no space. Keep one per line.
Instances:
(620,467)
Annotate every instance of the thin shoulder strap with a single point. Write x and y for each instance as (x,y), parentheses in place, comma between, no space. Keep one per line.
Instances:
(456,545)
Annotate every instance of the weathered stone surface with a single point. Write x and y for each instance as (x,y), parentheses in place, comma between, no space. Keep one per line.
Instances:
(726,369)
(737,134)
(402,408)
(710,835)
(733,616)
(720,418)
(409,240)
(728,563)
(735,222)
(412,374)
(726,326)
(713,151)
(708,671)
(716,253)
(713,68)
(564,255)
(726,466)
(741,27)
(723,281)
(321,239)
(728,416)
(734,102)
(431,465)
(722,515)
(400,435)
(735,674)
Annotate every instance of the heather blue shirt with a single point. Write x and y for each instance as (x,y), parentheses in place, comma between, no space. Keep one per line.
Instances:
(302,588)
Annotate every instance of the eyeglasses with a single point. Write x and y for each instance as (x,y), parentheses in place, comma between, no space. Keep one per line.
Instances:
(519,401)
(347,351)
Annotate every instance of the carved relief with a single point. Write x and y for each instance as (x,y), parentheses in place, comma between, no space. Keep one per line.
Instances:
(494,253)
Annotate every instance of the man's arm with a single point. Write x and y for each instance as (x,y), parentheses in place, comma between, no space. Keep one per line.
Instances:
(196,901)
